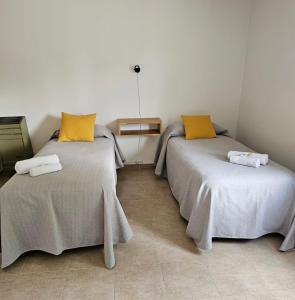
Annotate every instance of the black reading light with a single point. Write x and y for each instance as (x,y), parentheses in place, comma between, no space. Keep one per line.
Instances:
(136,68)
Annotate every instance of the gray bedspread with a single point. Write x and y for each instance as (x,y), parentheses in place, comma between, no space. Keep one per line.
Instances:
(173,130)
(220,199)
(102,131)
(75,207)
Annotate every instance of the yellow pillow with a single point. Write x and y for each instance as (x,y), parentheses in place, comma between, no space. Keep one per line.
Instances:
(198,127)
(77,128)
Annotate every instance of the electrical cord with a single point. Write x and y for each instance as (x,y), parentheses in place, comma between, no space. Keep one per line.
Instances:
(139,113)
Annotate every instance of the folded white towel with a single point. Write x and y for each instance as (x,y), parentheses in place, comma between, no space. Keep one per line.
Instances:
(44,169)
(262,157)
(24,166)
(245,161)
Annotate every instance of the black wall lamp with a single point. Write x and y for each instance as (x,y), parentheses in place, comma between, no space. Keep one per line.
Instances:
(136,68)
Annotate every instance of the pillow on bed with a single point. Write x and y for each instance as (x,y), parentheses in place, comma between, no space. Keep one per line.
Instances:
(77,128)
(198,127)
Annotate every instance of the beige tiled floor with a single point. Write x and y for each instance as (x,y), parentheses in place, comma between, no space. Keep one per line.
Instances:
(160,262)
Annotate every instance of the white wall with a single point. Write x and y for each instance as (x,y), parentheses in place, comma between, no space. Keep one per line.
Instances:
(267,113)
(74,56)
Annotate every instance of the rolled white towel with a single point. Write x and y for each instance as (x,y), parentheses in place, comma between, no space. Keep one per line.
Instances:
(262,157)
(44,169)
(245,161)
(24,166)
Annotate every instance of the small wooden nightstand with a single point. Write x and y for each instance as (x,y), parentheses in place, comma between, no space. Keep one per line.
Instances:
(139,126)
(15,143)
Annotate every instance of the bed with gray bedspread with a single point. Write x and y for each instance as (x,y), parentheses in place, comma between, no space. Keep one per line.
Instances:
(76,207)
(220,199)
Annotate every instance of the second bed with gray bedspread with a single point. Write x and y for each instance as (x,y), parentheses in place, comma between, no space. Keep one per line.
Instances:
(220,199)
(75,207)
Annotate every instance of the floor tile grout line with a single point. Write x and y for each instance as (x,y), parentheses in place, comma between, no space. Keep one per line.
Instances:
(62,291)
